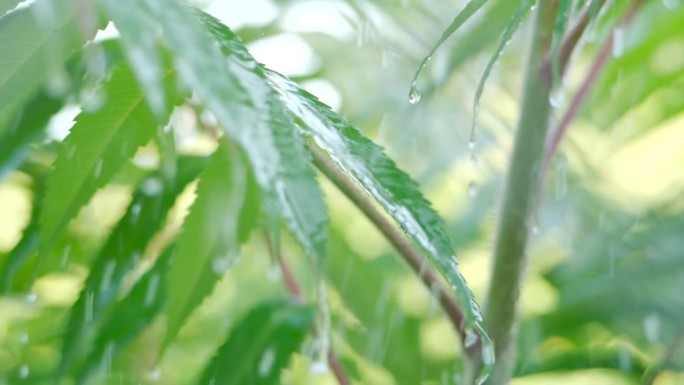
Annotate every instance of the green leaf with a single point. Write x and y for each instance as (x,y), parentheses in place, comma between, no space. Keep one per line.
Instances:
(260,346)
(128,317)
(20,253)
(396,192)
(141,50)
(99,144)
(210,241)
(122,251)
(235,90)
(512,26)
(34,50)
(26,129)
(463,16)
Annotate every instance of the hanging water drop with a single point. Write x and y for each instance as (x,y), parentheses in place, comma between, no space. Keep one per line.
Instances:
(618,41)
(488,357)
(24,338)
(152,186)
(414,94)
(472,189)
(652,327)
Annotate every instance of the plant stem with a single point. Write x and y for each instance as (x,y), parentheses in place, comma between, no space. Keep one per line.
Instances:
(397,238)
(522,180)
(296,293)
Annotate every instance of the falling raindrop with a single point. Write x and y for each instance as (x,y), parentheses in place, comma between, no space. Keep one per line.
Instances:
(152,186)
(24,371)
(321,343)
(31,297)
(671,4)
(618,42)
(624,359)
(155,375)
(135,212)
(221,264)
(98,168)
(414,94)
(472,189)
(652,327)
(152,289)
(107,275)
(266,362)
(561,176)
(65,255)
(90,297)
(57,83)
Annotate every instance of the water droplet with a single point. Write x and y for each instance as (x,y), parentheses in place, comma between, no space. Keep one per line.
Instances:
(321,342)
(221,264)
(92,99)
(152,289)
(152,186)
(557,97)
(652,327)
(671,4)
(65,255)
(273,273)
(266,362)
(24,371)
(135,212)
(624,359)
(487,356)
(618,42)
(98,168)
(472,189)
(561,176)
(472,143)
(414,94)
(155,375)
(470,338)
(89,302)
(57,83)
(24,338)
(31,297)
(107,275)
(535,230)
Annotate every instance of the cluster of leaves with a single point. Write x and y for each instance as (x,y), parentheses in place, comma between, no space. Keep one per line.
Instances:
(260,168)
(618,307)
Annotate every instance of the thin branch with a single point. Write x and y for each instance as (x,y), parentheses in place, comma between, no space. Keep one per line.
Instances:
(296,292)
(581,95)
(668,358)
(569,43)
(406,250)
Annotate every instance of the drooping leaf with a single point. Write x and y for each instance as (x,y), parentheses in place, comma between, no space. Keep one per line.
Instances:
(141,50)
(98,145)
(210,241)
(396,192)
(27,128)
(260,346)
(234,89)
(127,242)
(128,317)
(35,49)
(463,16)
(512,26)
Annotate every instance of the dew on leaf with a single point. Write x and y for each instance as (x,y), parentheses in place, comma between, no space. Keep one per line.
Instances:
(618,42)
